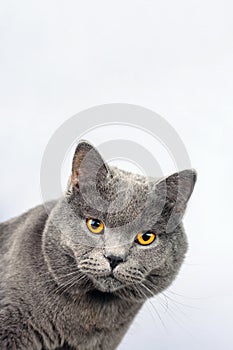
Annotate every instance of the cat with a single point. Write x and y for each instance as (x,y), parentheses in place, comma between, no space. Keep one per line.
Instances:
(74,272)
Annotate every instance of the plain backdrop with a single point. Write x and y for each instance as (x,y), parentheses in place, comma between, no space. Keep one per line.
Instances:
(174,57)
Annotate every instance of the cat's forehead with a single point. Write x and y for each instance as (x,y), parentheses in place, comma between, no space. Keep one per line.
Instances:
(123,177)
(131,198)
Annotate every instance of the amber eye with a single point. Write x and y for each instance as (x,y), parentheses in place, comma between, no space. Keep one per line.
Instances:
(145,238)
(95,226)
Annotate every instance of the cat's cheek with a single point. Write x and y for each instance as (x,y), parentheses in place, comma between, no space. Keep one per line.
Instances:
(152,256)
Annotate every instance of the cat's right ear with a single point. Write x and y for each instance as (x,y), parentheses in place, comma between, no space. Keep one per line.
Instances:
(88,166)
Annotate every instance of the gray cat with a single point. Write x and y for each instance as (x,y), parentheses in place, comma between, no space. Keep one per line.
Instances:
(75,272)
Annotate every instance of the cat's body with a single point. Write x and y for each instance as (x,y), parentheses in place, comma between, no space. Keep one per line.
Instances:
(62,287)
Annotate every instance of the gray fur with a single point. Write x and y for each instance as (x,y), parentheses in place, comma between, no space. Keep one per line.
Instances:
(57,289)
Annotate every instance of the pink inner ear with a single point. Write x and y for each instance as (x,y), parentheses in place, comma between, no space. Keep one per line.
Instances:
(87,165)
(78,158)
(74,178)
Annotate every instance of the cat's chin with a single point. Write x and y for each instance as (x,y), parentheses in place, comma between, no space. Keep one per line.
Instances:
(107,284)
(101,296)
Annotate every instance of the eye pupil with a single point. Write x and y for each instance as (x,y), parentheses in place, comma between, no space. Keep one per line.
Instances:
(146,236)
(95,223)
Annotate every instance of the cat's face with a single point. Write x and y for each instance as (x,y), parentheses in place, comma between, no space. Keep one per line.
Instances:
(119,231)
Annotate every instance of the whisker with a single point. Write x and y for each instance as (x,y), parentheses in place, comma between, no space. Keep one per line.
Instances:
(179,303)
(152,294)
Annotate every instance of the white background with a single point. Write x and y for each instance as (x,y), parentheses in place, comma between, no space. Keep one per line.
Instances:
(174,57)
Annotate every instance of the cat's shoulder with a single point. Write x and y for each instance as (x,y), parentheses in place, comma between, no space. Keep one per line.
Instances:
(34,216)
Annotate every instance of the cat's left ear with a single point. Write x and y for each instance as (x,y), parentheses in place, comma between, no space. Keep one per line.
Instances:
(88,166)
(176,191)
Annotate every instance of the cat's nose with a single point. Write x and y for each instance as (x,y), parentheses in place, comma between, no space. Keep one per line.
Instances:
(114,260)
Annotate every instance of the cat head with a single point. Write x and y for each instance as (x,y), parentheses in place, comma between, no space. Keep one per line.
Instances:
(116,232)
